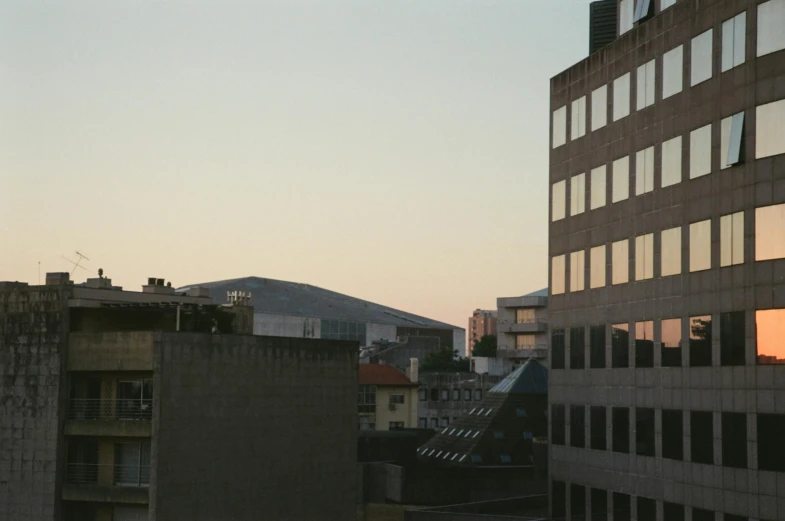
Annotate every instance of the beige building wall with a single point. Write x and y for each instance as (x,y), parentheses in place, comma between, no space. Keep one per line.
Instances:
(405,412)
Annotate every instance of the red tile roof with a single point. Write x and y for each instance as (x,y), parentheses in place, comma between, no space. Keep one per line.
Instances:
(378,374)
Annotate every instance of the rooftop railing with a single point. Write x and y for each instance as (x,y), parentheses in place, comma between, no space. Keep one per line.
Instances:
(98,409)
(120,475)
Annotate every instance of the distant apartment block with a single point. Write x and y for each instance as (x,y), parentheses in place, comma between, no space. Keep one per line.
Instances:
(481,323)
(523,327)
(387,398)
(444,396)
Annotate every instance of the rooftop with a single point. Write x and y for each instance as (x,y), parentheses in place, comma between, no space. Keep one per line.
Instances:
(382,374)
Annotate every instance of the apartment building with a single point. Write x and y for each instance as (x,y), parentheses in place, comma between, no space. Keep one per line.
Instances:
(522,325)
(387,398)
(667,251)
(481,323)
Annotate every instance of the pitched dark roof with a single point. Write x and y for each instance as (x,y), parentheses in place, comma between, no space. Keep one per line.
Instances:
(530,378)
(379,374)
(292,298)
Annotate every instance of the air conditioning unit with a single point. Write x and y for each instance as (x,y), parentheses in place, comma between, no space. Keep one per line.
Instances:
(392,407)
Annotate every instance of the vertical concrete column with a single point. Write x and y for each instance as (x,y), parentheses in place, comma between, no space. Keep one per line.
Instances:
(106,462)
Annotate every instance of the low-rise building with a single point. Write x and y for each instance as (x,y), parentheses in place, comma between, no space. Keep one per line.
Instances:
(387,398)
(522,327)
(444,396)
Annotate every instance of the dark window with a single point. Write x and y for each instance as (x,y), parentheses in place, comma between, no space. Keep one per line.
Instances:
(597,347)
(644,432)
(577,502)
(557,349)
(670,337)
(731,517)
(423,394)
(672,511)
(434,395)
(647,509)
(396,398)
(621,506)
(702,437)
(577,348)
(644,344)
(771,442)
(577,426)
(620,345)
(598,428)
(672,434)
(395,425)
(445,395)
(478,394)
(699,514)
(434,423)
(700,341)
(467,395)
(734,439)
(456,394)
(620,417)
(732,338)
(559,491)
(558,424)
(599,505)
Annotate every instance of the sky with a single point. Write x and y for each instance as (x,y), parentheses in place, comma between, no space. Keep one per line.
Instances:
(392,150)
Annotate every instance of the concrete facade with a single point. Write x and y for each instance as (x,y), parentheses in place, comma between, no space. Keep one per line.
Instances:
(611,447)
(522,325)
(445,396)
(481,323)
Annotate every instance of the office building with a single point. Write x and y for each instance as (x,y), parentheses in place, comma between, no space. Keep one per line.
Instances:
(481,323)
(522,325)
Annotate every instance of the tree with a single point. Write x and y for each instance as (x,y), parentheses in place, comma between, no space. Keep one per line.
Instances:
(445,359)
(485,346)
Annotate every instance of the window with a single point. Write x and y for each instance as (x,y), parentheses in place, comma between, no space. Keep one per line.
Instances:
(700,341)
(559,501)
(732,334)
(598,428)
(670,257)
(557,349)
(620,345)
(423,394)
(577,194)
(647,509)
(434,422)
(664,5)
(434,395)
(645,81)
(499,435)
(734,41)
(597,347)
(770,128)
(367,423)
(770,232)
(621,429)
(422,423)
(598,184)
(578,118)
(456,394)
(597,259)
(559,126)
(525,316)
(771,20)
(577,501)
(699,514)
(771,442)
(644,344)
(367,399)
(734,440)
(732,239)
(731,517)
(644,256)
(599,107)
(577,270)
(700,245)
(558,424)
(672,72)
(599,505)
(700,63)
(621,507)
(671,162)
(559,196)
(644,432)
(672,434)
(476,458)
(732,138)
(577,426)
(478,394)
(395,425)
(672,511)
(134,399)
(505,458)
(621,179)
(467,395)
(626,12)
(396,399)
(445,395)
(770,326)
(702,437)
(557,275)
(700,152)
(577,348)
(644,171)
(670,338)
(132,464)
(620,258)
(525,341)
(621,97)
(444,421)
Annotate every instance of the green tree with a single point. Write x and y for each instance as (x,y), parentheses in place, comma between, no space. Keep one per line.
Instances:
(445,359)
(485,346)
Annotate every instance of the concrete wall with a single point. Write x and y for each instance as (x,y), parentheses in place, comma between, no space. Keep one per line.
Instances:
(130,351)
(269,324)
(249,428)
(33,329)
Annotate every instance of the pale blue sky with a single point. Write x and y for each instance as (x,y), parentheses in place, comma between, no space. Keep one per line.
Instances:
(394,150)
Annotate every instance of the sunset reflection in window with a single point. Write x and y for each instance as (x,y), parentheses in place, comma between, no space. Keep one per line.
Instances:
(771,336)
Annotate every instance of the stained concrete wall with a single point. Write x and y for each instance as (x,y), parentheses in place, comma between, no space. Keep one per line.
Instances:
(249,428)
(32,339)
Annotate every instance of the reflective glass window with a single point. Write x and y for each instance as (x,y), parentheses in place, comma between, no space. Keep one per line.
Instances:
(732,239)
(597,347)
(525,341)
(597,259)
(700,245)
(626,11)
(666,4)
(700,152)
(620,345)
(598,187)
(578,127)
(701,58)
(557,275)
(700,341)
(672,435)
(621,179)
(644,344)
(577,426)
(577,270)
(577,348)
(734,41)
(559,126)
(771,20)
(577,194)
(702,439)
(734,440)
(671,162)
(642,10)
(673,511)
(770,128)
(620,431)
(644,171)
(770,326)
(644,435)
(670,257)
(558,424)
(672,72)
(620,258)
(644,256)
(557,349)
(525,316)
(645,85)
(732,338)
(771,448)
(599,107)
(598,428)
(670,339)
(621,97)
(732,139)
(770,232)
(559,196)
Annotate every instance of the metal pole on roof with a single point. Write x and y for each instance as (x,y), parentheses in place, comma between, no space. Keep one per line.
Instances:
(178,317)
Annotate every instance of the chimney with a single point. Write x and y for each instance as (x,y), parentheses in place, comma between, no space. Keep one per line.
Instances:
(56,279)
(414,370)
(155,285)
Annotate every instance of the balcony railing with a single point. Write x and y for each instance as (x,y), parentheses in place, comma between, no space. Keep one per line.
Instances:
(97,409)
(120,475)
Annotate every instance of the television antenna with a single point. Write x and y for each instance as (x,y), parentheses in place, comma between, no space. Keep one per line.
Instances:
(77,264)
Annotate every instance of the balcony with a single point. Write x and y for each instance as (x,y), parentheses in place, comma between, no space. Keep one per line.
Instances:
(524,327)
(97,417)
(107,483)
(539,352)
